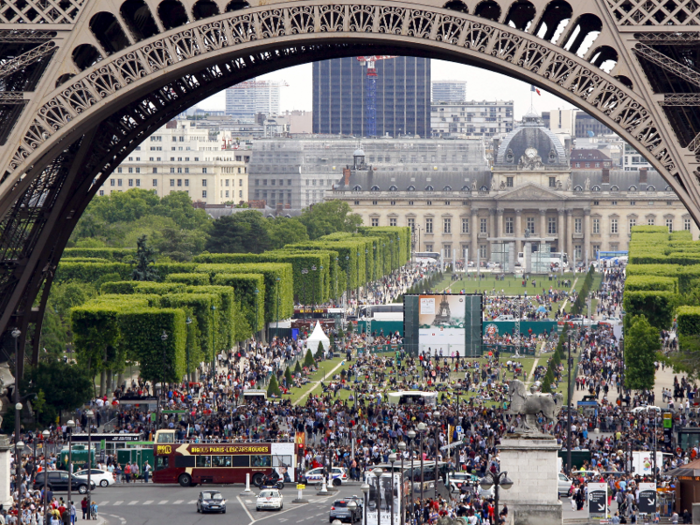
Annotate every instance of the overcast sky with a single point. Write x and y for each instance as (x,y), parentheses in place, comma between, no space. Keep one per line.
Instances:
(481,85)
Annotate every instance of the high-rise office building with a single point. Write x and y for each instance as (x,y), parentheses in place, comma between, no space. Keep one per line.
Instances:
(449,91)
(247,99)
(402,97)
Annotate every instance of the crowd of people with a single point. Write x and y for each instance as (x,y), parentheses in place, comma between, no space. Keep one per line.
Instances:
(351,422)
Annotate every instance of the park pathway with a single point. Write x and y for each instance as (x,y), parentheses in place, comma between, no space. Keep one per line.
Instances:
(314,384)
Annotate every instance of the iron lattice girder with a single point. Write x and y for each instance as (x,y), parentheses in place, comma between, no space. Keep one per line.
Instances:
(11,97)
(669,39)
(667,63)
(25,36)
(25,59)
(680,99)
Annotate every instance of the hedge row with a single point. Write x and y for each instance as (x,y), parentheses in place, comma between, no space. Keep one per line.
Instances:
(650,283)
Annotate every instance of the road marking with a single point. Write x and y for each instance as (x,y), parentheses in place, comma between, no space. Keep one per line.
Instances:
(177,502)
(148,502)
(249,501)
(133,502)
(252,519)
(301,521)
(192,502)
(282,520)
(103,503)
(118,502)
(163,502)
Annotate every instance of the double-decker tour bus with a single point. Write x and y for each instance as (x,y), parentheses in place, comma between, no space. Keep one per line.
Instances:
(190,464)
(306,317)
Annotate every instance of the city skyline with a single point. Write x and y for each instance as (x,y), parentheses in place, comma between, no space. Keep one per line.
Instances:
(481,85)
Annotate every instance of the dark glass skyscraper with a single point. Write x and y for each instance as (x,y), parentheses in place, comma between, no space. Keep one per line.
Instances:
(403,97)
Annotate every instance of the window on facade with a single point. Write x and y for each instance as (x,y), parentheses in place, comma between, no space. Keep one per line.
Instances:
(686,224)
(578,225)
(483,226)
(651,221)
(130,182)
(551,225)
(428,247)
(596,225)
(465,225)
(509,182)
(138,183)
(613,225)
(155,183)
(447,249)
(447,225)
(428,225)
(119,170)
(375,221)
(204,194)
(509,225)
(669,225)
(578,253)
(172,182)
(392,221)
(552,182)
(482,251)
(102,192)
(119,182)
(530,224)
(412,224)
(596,249)
(204,170)
(179,182)
(111,182)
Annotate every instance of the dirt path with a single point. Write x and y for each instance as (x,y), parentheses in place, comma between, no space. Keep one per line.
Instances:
(313,385)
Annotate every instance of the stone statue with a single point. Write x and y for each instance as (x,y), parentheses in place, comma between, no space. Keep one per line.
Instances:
(558,184)
(587,184)
(503,185)
(530,405)
(473,185)
(568,184)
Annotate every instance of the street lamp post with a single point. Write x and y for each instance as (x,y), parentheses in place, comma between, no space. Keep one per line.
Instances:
(304,273)
(187,348)
(392,460)
(421,430)
(378,474)
(277,315)
(256,310)
(347,284)
(46,435)
(70,425)
(18,406)
(411,434)
(18,465)
(365,489)
(213,344)
(436,415)
(89,415)
(402,511)
(164,338)
(313,288)
(500,480)
(568,411)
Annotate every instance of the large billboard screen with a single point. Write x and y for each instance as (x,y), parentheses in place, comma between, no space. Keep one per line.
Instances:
(447,325)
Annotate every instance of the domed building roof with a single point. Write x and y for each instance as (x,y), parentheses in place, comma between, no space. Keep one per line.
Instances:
(358,153)
(531,134)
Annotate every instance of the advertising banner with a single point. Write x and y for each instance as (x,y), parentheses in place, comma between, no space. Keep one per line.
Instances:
(441,325)
(647,498)
(380,494)
(598,500)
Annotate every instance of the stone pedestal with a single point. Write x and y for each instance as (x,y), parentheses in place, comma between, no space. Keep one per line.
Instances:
(5,457)
(531,462)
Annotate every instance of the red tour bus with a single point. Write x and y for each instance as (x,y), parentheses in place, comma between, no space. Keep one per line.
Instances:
(190,464)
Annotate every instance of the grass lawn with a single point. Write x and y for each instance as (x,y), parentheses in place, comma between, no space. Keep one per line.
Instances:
(511,285)
(324,370)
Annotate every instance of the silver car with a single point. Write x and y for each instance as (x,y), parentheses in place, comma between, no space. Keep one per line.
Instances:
(348,509)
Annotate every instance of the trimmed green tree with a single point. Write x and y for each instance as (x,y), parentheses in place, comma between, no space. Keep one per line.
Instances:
(309,359)
(642,344)
(297,369)
(320,350)
(288,376)
(273,388)
(145,257)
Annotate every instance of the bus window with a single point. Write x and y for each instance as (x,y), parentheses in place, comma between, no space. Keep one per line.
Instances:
(261,461)
(162,462)
(241,461)
(184,461)
(221,461)
(166,437)
(204,461)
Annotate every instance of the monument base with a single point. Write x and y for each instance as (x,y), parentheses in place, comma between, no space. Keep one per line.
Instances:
(531,462)
(5,458)
(536,514)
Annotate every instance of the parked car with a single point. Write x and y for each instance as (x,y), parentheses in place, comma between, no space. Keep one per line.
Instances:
(211,501)
(458,479)
(637,410)
(269,499)
(564,485)
(339,475)
(102,477)
(348,509)
(58,482)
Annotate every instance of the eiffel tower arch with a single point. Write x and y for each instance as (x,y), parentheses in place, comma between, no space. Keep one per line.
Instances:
(83,82)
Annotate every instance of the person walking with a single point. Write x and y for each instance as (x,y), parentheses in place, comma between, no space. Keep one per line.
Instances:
(84,507)
(146,471)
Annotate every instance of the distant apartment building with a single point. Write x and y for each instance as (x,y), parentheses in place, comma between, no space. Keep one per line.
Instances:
(590,159)
(182,157)
(581,124)
(473,119)
(449,91)
(300,172)
(632,160)
(247,99)
(402,97)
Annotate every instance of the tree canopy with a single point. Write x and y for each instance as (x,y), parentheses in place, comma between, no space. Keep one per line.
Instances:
(329,217)
(642,343)
(283,230)
(243,232)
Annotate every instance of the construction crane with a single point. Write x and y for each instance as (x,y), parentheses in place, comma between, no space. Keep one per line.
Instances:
(371,105)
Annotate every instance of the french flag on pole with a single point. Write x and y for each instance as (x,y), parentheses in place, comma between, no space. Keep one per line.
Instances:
(535,90)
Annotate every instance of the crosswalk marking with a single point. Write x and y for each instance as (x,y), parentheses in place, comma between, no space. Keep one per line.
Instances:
(118,502)
(177,502)
(102,502)
(148,502)
(192,502)
(133,502)
(163,502)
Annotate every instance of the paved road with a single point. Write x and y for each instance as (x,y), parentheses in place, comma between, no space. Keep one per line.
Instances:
(168,505)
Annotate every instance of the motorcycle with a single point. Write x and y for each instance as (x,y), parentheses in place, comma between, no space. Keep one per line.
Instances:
(270,482)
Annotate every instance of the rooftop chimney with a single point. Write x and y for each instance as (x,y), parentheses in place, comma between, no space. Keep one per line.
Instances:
(605,186)
(643,175)
(346,176)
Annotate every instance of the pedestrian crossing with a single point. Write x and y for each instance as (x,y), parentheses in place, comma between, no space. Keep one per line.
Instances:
(178,502)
